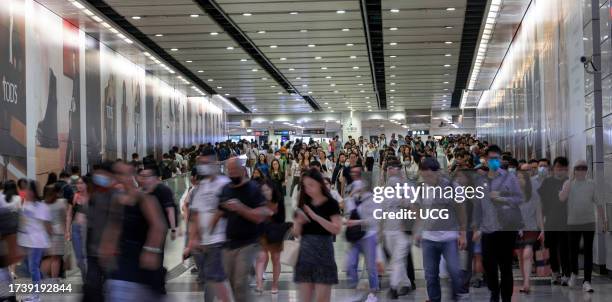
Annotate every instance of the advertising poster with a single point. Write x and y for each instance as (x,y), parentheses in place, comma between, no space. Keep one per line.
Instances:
(93,106)
(13,162)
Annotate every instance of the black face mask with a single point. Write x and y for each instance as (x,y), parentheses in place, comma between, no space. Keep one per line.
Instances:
(236,180)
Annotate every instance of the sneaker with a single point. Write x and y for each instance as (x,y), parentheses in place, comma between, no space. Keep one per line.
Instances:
(555,279)
(371,298)
(572,281)
(564,281)
(586,287)
(392,294)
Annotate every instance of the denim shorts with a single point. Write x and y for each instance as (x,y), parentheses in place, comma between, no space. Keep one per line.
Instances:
(210,263)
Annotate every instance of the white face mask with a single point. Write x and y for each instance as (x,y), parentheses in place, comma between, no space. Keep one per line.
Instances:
(277,156)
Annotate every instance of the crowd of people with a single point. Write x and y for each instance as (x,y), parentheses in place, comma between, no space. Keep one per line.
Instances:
(245,200)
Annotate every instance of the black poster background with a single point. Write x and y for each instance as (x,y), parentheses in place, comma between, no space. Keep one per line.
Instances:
(12,89)
(72,70)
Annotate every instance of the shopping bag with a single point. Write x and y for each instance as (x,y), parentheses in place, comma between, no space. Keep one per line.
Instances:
(542,262)
(290,253)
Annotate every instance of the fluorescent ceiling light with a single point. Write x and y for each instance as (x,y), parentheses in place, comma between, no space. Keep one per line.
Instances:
(136,17)
(394,10)
(194,15)
(214,33)
(247,14)
(159,35)
(340,11)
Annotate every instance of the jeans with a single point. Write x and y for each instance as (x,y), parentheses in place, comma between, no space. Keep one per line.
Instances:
(237,264)
(34,259)
(398,244)
(574,243)
(432,252)
(367,246)
(497,255)
(125,291)
(78,244)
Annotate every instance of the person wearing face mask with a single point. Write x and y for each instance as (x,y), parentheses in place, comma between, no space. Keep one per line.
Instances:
(582,202)
(497,236)
(244,206)
(206,242)
(512,166)
(98,213)
(554,212)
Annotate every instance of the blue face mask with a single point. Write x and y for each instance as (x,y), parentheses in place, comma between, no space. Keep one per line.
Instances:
(494,164)
(101,180)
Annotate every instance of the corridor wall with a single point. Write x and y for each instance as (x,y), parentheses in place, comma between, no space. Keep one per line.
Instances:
(69,99)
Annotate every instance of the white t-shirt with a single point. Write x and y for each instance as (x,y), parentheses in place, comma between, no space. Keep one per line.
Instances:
(14,205)
(205,201)
(32,231)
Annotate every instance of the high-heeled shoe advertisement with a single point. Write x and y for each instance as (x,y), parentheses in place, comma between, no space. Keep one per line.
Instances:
(54,88)
(13,163)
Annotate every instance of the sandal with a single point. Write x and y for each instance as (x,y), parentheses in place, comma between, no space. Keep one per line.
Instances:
(274,291)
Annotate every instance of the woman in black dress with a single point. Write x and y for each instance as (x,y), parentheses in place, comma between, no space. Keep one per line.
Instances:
(316,221)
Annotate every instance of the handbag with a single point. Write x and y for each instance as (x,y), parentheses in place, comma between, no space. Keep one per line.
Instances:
(356,232)
(542,262)
(291,251)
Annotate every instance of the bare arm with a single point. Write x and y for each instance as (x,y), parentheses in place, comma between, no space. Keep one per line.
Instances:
(157,229)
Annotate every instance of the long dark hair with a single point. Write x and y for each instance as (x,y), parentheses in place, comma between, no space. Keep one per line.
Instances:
(10,190)
(51,179)
(318,177)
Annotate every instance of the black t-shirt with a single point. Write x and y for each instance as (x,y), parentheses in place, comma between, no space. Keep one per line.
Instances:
(165,197)
(325,210)
(240,231)
(553,209)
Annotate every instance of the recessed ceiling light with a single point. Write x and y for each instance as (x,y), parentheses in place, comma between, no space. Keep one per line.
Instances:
(243,60)
(362,91)
(360,84)
(227,94)
(254,69)
(194,15)
(159,35)
(336,91)
(349,44)
(346,29)
(392,66)
(353,57)
(450,9)
(136,17)
(210,80)
(200,71)
(355,67)
(394,10)
(447,55)
(303,30)
(392,76)
(264,79)
(189,61)
(346,103)
(309,92)
(326,103)
(214,33)
(445,82)
(311,45)
(340,11)
(283,59)
(174,49)
(358,76)
(324,68)
(261,32)
(329,107)
(272,86)
(291,69)
(392,98)
(219,87)
(392,84)
(247,14)
(446,65)
(445,89)
(393,28)
(393,56)
(392,90)
(304,85)
(448,42)
(293,13)
(328,77)
(369,106)
(331,111)
(318,58)
(273,46)
(230,48)
(280,92)
(448,27)
(393,43)
(332,85)
(298,78)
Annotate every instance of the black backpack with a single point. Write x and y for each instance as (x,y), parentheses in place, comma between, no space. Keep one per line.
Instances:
(356,232)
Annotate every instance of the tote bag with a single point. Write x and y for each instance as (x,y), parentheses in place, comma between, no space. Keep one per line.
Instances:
(290,253)
(542,262)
